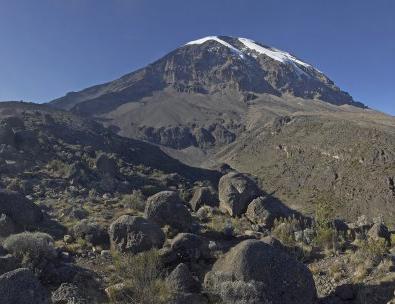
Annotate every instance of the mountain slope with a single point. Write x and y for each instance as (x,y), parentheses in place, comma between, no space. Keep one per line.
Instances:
(261,110)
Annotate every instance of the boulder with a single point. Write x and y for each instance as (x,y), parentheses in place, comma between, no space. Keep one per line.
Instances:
(20,286)
(181,280)
(7,225)
(7,263)
(68,294)
(236,191)
(190,247)
(135,234)
(203,196)
(22,211)
(107,166)
(7,135)
(264,210)
(379,231)
(190,298)
(166,208)
(255,272)
(91,232)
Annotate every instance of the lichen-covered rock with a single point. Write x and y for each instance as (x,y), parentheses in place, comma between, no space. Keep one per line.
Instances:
(236,190)
(181,280)
(135,234)
(255,272)
(203,196)
(20,286)
(190,247)
(22,211)
(264,210)
(167,208)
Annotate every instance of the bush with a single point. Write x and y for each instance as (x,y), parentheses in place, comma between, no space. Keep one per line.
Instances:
(59,168)
(326,236)
(34,249)
(284,230)
(142,277)
(135,201)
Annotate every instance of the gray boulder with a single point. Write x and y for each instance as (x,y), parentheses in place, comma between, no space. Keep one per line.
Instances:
(181,280)
(264,210)
(7,225)
(7,263)
(91,232)
(166,208)
(7,135)
(203,196)
(255,272)
(190,247)
(107,166)
(22,211)
(236,191)
(68,294)
(135,234)
(20,286)
(379,231)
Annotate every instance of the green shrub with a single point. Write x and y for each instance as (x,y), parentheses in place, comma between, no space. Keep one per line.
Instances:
(284,230)
(135,201)
(326,236)
(143,280)
(59,168)
(34,249)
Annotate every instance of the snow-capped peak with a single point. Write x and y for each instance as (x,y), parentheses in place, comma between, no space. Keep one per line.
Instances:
(273,53)
(249,46)
(215,38)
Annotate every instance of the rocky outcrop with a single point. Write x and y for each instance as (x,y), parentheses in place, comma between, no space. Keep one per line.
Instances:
(167,208)
(255,272)
(190,247)
(91,232)
(22,287)
(22,211)
(203,196)
(236,190)
(135,234)
(107,166)
(264,210)
(182,280)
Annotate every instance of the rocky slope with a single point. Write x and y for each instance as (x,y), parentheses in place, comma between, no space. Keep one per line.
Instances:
(263,111)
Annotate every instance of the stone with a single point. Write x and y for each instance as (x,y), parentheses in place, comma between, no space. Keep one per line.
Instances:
(7,263)
(68,294)
(20,286)
(107,166)
(23,212)
(379,231)
(190,247)
(91,232)
(265,210)
(135,234)
(236,191)
(7,225)
(203,196)
(167,208)
(182,280)
(254,269)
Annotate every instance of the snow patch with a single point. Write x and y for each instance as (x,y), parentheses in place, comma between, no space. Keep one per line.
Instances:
(215,38)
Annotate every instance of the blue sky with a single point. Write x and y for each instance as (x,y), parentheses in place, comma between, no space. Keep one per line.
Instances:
(50,47)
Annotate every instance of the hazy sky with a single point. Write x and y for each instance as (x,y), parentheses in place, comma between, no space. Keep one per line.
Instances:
(50,47)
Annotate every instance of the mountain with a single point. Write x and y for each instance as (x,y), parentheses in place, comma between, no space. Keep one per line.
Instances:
(261,110)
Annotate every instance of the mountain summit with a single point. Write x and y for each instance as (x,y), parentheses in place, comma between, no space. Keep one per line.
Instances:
(212,65)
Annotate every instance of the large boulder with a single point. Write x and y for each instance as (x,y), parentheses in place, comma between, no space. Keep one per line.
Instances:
(203,196)
(182,280)
(7,135)
(190,247)
(379,231)
(255,272)
(236,191)
(135,234)
(107,166)
(264,210)
(90,231)
(68,294)
(166,208)
(7,263)
(7,225)
(20,286)
(22,211)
